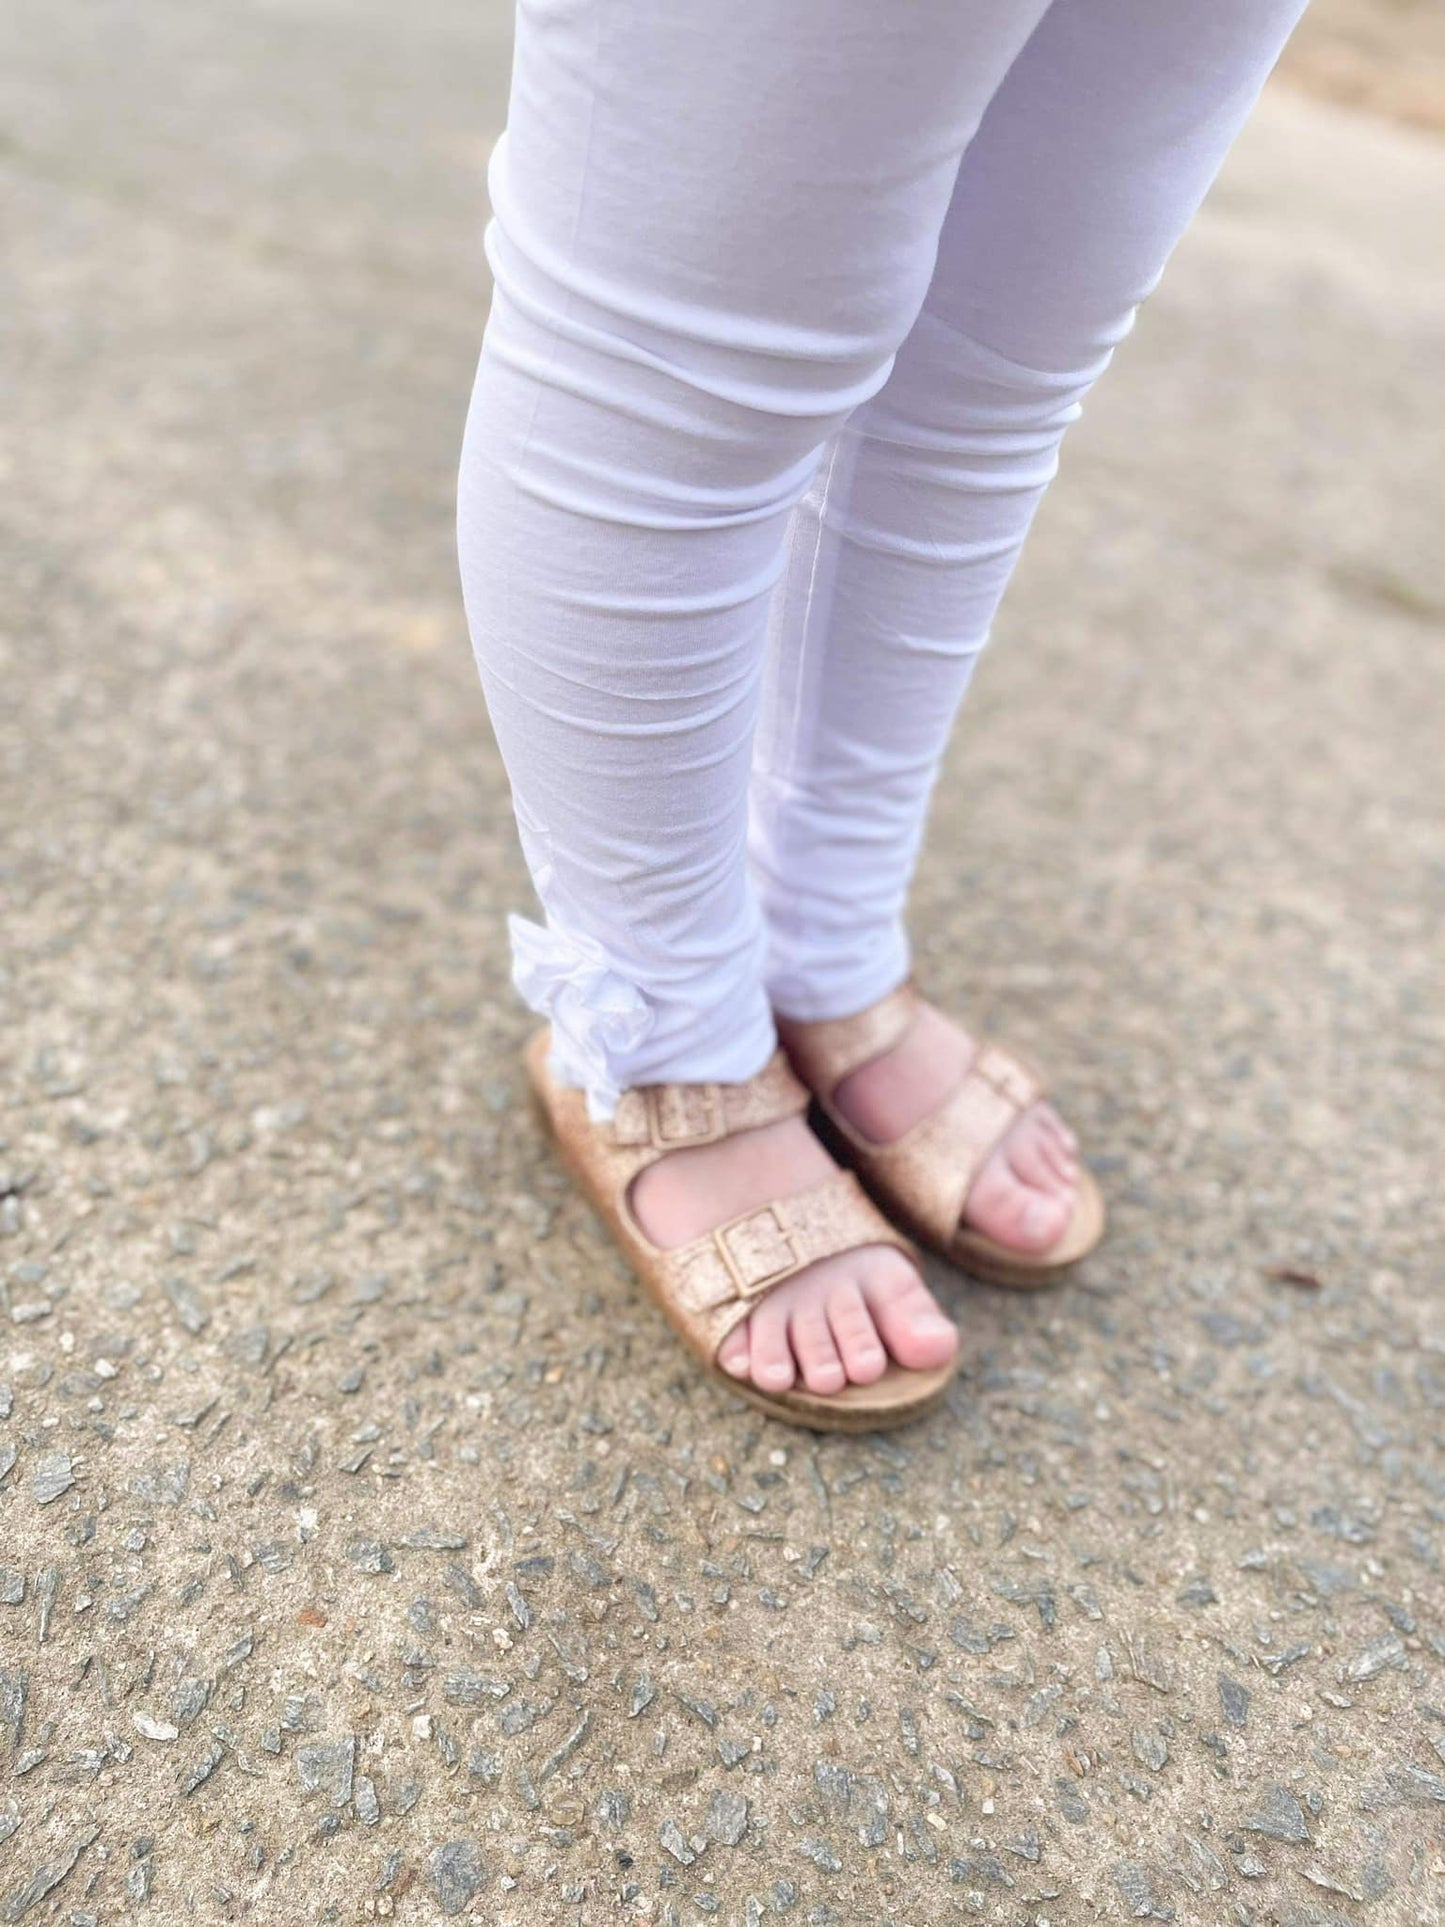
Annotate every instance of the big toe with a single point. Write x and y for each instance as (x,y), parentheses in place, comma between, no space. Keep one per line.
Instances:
(1025,1213)
(906,1314)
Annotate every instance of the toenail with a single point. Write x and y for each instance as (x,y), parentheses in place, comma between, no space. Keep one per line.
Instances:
(1036,1218)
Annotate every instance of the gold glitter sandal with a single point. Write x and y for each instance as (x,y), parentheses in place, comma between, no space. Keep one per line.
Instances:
(707,1287)
(922,1179)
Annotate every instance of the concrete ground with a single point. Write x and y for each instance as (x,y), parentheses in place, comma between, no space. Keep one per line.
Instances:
(366,1548)
(1385,55)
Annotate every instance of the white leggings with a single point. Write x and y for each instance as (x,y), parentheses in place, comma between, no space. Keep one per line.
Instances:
(793,306)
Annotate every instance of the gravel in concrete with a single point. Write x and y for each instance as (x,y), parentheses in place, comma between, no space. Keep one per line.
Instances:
(369,1552)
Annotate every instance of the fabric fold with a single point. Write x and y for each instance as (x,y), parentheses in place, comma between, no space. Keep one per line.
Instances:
(597,1016)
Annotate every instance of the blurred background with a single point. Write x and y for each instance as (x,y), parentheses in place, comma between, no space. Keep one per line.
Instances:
(1384,55)
(366,1549)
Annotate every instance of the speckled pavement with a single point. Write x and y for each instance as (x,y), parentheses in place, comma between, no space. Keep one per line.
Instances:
(367,1551)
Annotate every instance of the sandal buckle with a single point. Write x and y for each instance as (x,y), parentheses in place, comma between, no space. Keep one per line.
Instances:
(679,1114)
(767,1252)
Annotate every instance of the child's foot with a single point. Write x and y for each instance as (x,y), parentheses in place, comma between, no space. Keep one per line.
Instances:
(1023,1195)
(837,1322)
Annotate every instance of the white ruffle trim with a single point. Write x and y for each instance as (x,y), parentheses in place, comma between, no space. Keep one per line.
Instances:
(596,1016)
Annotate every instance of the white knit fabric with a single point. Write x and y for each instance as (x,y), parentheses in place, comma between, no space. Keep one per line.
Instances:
(793,306)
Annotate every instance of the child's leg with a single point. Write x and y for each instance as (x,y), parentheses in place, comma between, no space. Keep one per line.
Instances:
(1089,162)
(714,225)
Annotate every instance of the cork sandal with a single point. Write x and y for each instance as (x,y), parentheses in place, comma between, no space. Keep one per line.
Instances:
(922,1179)
(707,1287)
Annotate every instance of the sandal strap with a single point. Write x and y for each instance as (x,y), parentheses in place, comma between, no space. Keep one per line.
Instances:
(651,1120)
(827,1052)
(934,1165)
(713,1283)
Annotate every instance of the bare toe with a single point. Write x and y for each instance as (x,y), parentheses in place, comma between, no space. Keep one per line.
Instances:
(855,1334)
(1060,1145)
(906,1313)
(770,1355)
(1063,1164)
(1026,1149)
(1016,1214)
(733,1352)
(813,1345)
